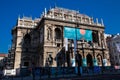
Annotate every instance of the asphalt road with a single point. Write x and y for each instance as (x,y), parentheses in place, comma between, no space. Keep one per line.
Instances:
(93,77)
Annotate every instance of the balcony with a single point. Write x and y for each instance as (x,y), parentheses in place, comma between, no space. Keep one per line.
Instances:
(86,45)
(58,41)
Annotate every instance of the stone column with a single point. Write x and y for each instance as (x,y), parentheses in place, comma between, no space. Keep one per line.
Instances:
(84,60)
(99,38)
(63,15)
(94,56)
(53,34)
(103,40)
(95,60)
(17,63)
(44,59)
(45,33)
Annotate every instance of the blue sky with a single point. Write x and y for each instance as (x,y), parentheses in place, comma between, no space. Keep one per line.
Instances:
(109,10)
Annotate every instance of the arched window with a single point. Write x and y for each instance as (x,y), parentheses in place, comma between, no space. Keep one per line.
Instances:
(49,33)
(95,36)
(27,39)
(89,60)
(58,33)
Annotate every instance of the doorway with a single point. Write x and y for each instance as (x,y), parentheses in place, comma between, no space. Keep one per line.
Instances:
(89,60)
(78,59)
(99,60)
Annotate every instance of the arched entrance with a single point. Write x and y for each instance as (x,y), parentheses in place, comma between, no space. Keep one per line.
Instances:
(99,60)
(78,59)
(89,60)
(25,62)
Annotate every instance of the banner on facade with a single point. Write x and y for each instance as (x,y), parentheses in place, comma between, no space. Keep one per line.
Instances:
(66,44)
(84,61)
(105,62)
(78,34)
(73,62)
(95,62)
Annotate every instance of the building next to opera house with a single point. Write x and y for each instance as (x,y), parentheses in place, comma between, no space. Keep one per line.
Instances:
(59,38)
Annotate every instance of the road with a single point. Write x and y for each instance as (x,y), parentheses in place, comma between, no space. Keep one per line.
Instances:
(93,77)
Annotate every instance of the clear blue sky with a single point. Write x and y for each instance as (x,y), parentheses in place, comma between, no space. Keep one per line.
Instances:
(109,10)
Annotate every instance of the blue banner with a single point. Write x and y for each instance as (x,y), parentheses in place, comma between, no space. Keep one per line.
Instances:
(95,62)
(84,61)
(76,33)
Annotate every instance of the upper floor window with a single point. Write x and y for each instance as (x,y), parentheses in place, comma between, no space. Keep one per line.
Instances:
(58,33)
(27,39)
(116,57)
(95,36)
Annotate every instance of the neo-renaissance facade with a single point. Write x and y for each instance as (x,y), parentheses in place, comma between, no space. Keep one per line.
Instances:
(56,38)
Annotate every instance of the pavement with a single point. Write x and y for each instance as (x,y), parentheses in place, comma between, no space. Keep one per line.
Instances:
(90,77)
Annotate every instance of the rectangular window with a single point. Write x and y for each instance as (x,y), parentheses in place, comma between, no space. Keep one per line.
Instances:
(26,63)
(116,57)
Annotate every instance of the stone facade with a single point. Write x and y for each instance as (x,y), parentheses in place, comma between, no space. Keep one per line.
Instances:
(23,45)
(113,43)
(41,43)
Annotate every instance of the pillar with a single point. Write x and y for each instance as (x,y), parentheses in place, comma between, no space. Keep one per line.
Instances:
(99,38)
(53,34)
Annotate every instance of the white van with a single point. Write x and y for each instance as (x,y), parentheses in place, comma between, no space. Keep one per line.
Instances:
(9,72)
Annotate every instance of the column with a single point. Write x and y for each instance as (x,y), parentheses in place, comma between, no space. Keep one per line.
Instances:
(22,22)
(53,34)
(45,62)
(94,58)
(99,38)
(63,15)
(84,60)
(45,32)
(95,61)
(17,62)
(103,40)
(53,14)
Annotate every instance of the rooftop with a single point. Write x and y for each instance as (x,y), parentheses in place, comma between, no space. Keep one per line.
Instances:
(3,55)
